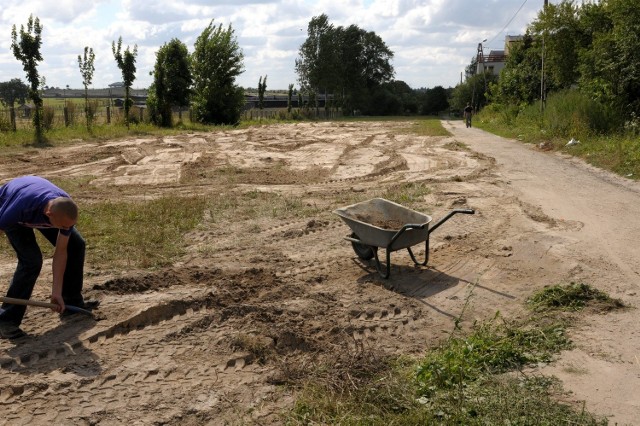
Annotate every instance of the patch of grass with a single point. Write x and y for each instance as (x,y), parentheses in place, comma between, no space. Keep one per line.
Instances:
(604,141)
(142,234)
(359,389)
(375,390)
(429,127)
(408,194)
(473,379)
(493,347)
(572,297)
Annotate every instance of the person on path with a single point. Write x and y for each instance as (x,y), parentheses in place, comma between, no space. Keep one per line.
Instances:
(468,111)
(30,202)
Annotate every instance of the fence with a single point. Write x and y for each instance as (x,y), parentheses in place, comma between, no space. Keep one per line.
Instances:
(71,114)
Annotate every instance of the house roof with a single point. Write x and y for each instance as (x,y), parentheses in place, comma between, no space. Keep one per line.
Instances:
(496,56)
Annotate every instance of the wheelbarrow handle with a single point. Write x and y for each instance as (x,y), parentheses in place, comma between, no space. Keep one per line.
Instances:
(448,216)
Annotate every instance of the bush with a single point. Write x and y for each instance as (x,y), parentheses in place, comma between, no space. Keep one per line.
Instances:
(48,117)
(571,113)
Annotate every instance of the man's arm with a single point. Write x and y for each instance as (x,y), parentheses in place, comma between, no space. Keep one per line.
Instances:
(59,266)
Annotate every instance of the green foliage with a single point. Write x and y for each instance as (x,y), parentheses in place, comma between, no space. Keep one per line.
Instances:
(434,100)
(13,91)
(27,51)
(410,194)
(573,114)
(172,80)
(289,97)
(491,348)
(48,117)
(474,91)
(217,60)
(609,67)
(519,81)
(127,63)
(262,87)
(87,68)
(350,62)
(573,297)
(592,46)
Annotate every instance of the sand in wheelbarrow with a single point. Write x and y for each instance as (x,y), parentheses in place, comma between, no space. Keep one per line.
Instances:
(380,222)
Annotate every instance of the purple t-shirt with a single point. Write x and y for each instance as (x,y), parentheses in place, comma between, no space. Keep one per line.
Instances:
(23,200)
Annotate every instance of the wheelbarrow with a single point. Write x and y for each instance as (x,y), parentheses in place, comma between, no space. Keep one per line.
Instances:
(380,223)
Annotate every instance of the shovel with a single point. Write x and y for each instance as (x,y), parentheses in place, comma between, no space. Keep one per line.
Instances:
(24,302)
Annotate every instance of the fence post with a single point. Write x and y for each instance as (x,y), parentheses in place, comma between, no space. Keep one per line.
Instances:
(108,114)
(12,115)
(65,113)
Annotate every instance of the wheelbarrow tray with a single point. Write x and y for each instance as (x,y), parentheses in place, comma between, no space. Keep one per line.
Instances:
(363,217)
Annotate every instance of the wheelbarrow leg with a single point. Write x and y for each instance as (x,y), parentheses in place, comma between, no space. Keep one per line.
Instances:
(384,274)
(426,253)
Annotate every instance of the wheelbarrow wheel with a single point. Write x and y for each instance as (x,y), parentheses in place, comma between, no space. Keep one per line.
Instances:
(363,251)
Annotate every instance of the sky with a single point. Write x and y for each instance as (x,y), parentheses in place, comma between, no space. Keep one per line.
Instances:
(432,40)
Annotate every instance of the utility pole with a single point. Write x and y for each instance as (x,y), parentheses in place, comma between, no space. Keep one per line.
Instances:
(484,75)
(542,88)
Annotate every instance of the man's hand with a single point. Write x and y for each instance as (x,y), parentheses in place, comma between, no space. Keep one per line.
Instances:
(57,299)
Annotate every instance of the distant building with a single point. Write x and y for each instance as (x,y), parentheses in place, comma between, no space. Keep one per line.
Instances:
(117,84)
(497,59)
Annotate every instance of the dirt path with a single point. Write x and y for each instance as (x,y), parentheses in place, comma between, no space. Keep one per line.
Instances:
(605,368)
(271,289)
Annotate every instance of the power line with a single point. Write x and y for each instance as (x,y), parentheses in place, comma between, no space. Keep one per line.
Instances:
(510,20)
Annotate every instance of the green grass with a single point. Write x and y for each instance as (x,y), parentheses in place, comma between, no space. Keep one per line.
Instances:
(604,141)
(572,297)
(493,347)
(472,378)
(143,234)
(408,194)
(429,127)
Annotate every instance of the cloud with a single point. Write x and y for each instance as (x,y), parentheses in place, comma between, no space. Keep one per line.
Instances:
(432,40)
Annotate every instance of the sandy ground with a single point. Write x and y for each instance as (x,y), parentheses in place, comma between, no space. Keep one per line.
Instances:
(254,303)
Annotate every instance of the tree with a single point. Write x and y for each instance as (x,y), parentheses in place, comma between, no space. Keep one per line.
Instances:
(27,50)
(13,91)
(172,80)
(558,25)
(434,101)
(85,63)
(610,68)
(289,96)
(350,62)
(127,63)
(520,79)
(217,60)
(262,87)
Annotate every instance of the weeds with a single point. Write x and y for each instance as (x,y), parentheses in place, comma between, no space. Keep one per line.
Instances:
(605,140)
(475,379)
(572,297)
(492,348)
(142,234)
(409,194)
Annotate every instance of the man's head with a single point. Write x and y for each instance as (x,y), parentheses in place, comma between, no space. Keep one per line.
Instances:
(62,212)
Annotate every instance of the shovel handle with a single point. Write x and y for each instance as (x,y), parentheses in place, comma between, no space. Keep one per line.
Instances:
(24,302)
(14,301)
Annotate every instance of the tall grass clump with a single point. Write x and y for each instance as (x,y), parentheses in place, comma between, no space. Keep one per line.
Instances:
(571,113)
